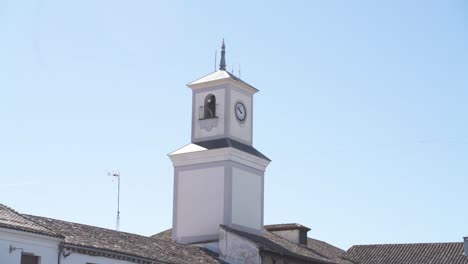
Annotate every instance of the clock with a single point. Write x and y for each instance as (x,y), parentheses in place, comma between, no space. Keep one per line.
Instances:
(239,109)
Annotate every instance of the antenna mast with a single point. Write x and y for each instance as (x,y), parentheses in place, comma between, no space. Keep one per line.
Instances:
(216,59)
(116,173)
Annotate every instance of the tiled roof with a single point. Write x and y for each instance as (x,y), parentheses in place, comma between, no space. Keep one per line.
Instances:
(316,251)
(11,219)
(166,235)
(327,250)
(323,248)
(117,243)
(424,253)
(276,244)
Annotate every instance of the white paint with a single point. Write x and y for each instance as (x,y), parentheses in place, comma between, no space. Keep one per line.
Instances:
(247,199)
(203,200)
(77,258)
(241,131)
(228,91)
(220,77)
(213,127)
(291,235)
(221,154)
(215,76)
(204,195)
(236,250)
(43,246)
(200,202)
(188,148)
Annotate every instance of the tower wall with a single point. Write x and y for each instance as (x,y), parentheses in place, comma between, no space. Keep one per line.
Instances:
(247,198)
(240,131)
(208,194)
(199,202)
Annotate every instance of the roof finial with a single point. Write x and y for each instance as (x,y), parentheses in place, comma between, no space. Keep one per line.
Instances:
(222,63)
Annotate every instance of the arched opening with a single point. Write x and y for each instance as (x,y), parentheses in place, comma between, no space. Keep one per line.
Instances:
(210,106)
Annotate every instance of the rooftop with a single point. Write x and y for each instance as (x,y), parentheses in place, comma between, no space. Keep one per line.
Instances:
(422,253)
(316,251)
(134,247)
(11,219)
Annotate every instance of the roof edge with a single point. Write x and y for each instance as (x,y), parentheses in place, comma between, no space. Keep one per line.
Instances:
(110,253)
(47,232)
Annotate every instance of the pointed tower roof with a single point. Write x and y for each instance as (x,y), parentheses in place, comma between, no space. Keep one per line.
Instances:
(222,62)
(221,76)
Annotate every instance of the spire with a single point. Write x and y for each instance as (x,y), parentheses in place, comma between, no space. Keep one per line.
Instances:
(222,63)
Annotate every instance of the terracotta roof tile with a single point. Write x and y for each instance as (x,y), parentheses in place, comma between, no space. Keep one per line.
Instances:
(11,219)
(423,253)
(132,245)
(316,251)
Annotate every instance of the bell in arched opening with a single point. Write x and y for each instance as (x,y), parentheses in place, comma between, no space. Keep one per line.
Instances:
(210,106)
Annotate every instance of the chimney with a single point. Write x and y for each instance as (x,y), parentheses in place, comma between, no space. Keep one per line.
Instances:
(465,245)
(295,233)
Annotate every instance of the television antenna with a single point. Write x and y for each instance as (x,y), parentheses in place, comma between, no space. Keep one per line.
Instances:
(116,173)
(216,59)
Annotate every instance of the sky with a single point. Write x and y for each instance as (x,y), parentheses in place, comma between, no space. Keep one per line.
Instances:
(362,109)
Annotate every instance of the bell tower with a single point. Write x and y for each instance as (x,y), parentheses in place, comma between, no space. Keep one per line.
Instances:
(219,177)
(222,106)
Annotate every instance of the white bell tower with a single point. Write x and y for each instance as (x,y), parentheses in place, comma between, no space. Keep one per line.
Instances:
(222,106)
(219,177)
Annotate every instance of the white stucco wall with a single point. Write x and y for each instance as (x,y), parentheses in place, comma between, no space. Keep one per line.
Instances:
(200,201)
(43,246)
(246,199)
(77,258)
(237,250)
(291,235)
(209,127)
(241,130)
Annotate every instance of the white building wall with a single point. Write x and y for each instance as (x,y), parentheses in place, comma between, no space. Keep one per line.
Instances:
(236,250)
(43,246)
(241,130)
(77,258)
(200,202)
(247,199)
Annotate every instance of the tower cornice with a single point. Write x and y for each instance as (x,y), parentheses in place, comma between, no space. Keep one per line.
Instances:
(181,158)
(218,78)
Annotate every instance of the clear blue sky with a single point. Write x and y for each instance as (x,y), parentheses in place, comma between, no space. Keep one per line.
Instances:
(362,107)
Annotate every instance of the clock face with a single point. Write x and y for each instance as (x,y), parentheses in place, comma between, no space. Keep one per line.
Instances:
(240,111)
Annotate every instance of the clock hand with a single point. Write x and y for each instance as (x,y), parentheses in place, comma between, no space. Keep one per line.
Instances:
(239,109)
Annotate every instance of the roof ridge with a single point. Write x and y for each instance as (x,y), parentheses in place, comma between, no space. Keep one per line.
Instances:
(9,208)
(407,244)
(326,243)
